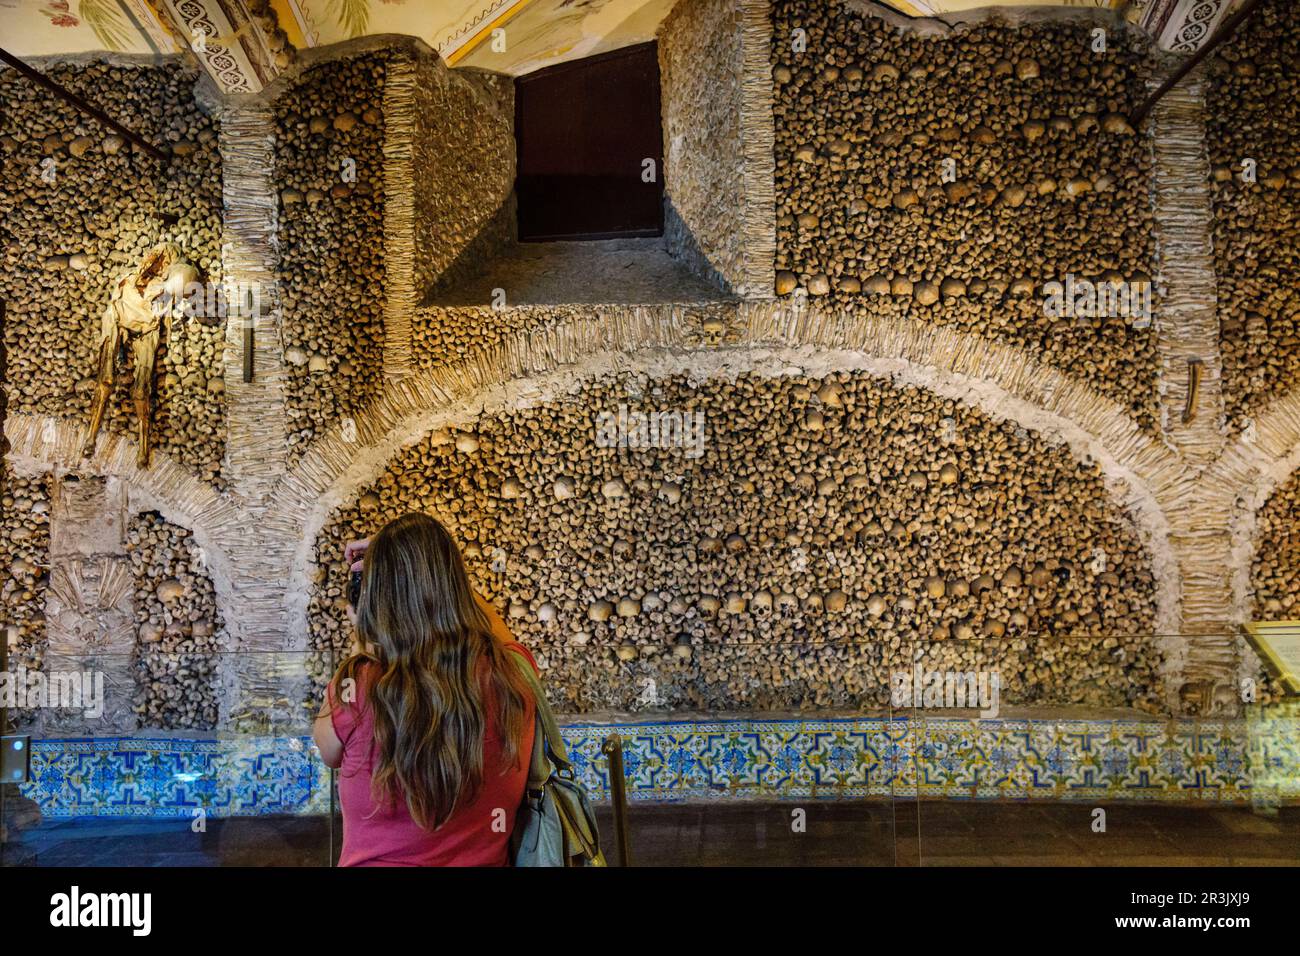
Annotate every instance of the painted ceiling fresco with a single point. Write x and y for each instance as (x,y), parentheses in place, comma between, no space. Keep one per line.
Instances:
(39,27)
(534,32)
(509,36)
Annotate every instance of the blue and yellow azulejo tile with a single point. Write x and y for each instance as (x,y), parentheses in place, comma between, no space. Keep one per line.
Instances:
(899,757)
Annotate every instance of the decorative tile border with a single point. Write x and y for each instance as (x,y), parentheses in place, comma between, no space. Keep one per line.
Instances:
(917,757)
(1275,746)
(142,777)
(930,757)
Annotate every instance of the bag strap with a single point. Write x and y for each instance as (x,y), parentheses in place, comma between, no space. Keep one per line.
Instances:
(546,723)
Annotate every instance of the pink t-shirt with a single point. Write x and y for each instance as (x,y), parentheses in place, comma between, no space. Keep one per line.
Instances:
(383,833)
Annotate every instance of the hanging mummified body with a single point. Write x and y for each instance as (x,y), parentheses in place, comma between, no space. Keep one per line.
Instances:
(141,299)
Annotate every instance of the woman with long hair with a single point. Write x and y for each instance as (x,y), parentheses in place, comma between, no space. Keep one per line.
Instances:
(429,721)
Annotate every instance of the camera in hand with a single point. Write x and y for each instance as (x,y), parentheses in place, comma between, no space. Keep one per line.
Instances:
(354,589)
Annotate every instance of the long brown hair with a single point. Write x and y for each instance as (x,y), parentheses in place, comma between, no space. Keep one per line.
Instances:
(418,618)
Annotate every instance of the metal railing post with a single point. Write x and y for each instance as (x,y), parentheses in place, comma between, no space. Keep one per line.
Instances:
(612,748)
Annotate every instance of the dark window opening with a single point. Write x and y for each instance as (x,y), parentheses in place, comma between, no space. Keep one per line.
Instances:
(584,132)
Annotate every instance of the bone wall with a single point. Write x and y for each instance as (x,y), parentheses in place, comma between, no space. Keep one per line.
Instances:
(180,628)
(447,334)
(946,178)
(832,531)
(1254,118)
(1275,572)
(791,566)
(464,168)
(700,68)
(25,544)
(449,168)
(329,160)
(80,206)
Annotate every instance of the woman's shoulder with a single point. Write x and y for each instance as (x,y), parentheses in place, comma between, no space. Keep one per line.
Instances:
(354,679)
(501,631)
(347,693)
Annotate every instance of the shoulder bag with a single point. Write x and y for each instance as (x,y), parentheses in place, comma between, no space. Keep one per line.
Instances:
(556,825)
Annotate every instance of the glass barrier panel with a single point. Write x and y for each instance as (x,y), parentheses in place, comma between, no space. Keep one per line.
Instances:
(940,752)
(171,759)
(725,763)
(1072,750)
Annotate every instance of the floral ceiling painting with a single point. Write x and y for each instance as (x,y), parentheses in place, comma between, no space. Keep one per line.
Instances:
(47,27)
(506,36)
(51,27)
(59,14)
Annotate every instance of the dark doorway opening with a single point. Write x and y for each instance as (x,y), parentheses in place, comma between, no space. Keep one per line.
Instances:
(586,134)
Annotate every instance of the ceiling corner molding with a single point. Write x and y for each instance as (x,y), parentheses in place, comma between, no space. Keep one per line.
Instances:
(1183,26)
(240,50)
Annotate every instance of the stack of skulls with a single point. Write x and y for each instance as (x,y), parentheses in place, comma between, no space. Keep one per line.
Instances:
(950,179)
(180,630)
(830,531)
(329,169)
(1252,122)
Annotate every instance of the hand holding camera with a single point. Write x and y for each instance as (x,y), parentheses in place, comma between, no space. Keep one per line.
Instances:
(354,554)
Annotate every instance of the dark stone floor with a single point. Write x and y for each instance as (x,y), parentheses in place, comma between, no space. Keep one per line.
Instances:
(245,841)
(608,272)
(844,834)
